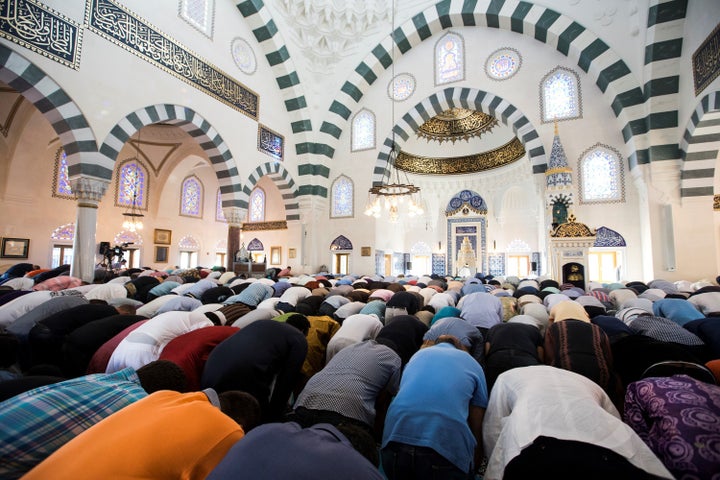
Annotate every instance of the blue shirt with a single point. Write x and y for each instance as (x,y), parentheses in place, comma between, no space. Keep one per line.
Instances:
(431,409)
(39,421)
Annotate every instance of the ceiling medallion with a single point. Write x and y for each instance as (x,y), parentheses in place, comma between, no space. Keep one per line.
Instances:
(499,157)
(456,124)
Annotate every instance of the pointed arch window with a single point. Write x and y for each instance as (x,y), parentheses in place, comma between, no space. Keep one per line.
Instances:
(61,178)
(560,95)
(342,197)
(449,59)
(132,185)
(219,214)
(199,13)
(256,211)
(601,175)
(363,130)
(191,195)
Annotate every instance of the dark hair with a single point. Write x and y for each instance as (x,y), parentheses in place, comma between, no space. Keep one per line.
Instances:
(162,375)
(300,322)
(241,407)
(9,348)
(361,441)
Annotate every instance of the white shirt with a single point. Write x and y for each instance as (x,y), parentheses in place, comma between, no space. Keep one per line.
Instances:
(144,344)
(355,328)
(528,402)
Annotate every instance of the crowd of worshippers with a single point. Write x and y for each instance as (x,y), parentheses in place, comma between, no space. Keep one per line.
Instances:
(198,373)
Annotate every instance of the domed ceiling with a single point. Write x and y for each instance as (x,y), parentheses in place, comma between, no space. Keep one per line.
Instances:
(478,141)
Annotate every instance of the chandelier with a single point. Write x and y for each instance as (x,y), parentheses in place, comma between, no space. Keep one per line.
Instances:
(392,195)
(133,216)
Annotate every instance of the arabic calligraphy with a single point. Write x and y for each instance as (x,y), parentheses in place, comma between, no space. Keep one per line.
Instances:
(42,30)
(111,21)
(706,61)
(270,142)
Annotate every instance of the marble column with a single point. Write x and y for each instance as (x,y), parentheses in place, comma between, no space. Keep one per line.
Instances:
(88,191)
(234,217)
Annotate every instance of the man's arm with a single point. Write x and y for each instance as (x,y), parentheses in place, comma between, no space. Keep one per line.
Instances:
(475,419)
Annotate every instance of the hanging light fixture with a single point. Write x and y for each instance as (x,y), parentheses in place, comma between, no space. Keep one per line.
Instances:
(391,196)
(133,216)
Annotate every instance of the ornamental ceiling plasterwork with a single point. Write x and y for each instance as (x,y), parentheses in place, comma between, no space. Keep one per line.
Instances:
(328,29)
(501,156)
(456,124)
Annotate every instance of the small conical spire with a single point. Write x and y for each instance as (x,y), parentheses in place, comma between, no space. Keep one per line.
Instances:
(556,127)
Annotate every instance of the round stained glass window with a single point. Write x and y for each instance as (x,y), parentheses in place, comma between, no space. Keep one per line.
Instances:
(401,87)
(503,64)
(243,56)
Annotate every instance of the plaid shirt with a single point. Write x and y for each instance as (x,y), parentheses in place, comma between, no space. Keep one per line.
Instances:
(39,421)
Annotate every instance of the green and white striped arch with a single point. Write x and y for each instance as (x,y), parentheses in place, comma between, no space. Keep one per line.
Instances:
(65,117)
(282,179)
(266,33)
(471,99)
(207,137)
(699,146)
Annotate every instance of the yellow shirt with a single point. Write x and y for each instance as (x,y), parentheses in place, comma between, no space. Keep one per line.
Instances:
(167,435)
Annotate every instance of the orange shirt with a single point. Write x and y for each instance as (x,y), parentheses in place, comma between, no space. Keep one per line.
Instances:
(167,435)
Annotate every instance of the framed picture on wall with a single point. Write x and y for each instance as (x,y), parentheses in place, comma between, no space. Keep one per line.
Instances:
(15,248)
(163,237)
(365,251)
(161,254)
(275,255)
(292,253)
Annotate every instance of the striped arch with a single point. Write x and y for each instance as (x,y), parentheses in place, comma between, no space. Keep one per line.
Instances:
(76,136)
(699,148)
(282,180)
(612,76)
(472,99)
(663,49)
(197,127)
(266,33)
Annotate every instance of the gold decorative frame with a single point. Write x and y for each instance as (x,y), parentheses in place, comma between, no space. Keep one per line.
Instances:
(15,248)
(365,251)
(162,236)
(161,254)
(292,253)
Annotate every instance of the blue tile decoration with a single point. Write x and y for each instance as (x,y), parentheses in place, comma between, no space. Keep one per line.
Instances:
(496,264)
(438,263)
(466,201)
(452,225)
(41,29)
(398,263)
(379,262)
(127,30)
(270,143)
(255,245)
(341,243)
(606,237)
(535,257)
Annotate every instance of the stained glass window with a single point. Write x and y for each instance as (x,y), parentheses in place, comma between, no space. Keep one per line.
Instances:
(256,212)
(189,243)
(199,14)
(601,176)
(219,214)
(61,183)
(503,64)
(449,59)
(132,185)
(401,87)
(363,130)
(64,233)
(342,197)
(191,197)
(560,95)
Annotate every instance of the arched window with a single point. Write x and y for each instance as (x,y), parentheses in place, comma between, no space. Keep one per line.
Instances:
(560,95)
(256,211)
(601,175)
(199,13)
(219,214)
(191,195)
(132,185)
(363,130)
(61,179)
(449,59)
(342,197)
(62,245)
(189,248)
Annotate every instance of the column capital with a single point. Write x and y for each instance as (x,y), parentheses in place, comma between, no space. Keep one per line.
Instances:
(235,216)
(89,190)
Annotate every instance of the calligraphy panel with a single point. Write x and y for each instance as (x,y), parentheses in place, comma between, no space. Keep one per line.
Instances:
(706,61)
(123,28)
(41,29)
(270,143)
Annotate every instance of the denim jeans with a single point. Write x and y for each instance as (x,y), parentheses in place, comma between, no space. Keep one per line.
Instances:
(408,462)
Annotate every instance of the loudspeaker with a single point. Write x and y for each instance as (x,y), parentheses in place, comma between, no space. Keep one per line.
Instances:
(533,266)
(408,265)
(104,246)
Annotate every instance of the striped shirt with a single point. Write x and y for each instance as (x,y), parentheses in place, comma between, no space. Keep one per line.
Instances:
(39,421)
(350,383)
